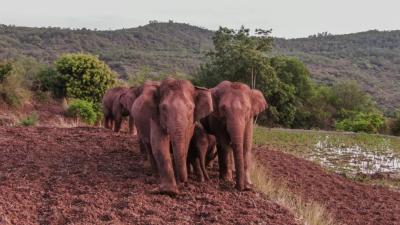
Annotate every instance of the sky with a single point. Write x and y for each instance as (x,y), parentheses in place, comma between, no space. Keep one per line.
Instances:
(286,18)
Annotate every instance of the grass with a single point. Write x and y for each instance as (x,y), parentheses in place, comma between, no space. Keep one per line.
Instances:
(30,120)
(302,142)
(310,213)
(349,154)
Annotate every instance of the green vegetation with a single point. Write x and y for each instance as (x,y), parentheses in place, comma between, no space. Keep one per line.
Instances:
(352,154)
(302,142)
(371,58)
(5,70)
(238,56)
(294,100)
(18,77)
(84,76)
(30,120)
(83,110)
(362,122)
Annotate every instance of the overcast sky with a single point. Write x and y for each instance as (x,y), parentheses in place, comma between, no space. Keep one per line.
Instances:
(287,18)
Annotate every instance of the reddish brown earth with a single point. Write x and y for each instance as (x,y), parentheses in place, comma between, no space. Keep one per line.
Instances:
(93,176)
(348,201)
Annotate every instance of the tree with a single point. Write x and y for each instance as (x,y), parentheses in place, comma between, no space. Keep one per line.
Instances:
(238,56)
(84,76)
(5,70)
(362,122)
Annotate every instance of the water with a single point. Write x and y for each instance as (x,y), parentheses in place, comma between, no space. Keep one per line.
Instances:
(356,159)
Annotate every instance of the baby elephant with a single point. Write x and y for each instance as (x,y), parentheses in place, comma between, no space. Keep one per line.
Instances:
(202,152)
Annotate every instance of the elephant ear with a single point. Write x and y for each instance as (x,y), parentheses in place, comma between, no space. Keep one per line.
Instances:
(258,102)
(203,103)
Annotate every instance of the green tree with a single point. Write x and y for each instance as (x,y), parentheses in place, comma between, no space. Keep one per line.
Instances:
(5,70)
(362,122)
(83,110)
(239,56)
(348,98)
(84,76)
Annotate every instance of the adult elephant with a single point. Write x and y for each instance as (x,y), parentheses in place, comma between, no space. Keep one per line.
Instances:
(143,110)
(235,105)
(171,110)
(117,103)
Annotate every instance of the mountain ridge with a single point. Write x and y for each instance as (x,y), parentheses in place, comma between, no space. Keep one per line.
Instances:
(372,58)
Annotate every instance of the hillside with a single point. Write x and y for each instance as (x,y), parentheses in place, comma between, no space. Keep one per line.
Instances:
(372,58)
(163,47)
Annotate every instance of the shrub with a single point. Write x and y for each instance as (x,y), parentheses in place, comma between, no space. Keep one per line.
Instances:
(84,76)
(395,125)
(362,122)
(17,80)
(84,110)
(48,80)
(30,120)
(5,70)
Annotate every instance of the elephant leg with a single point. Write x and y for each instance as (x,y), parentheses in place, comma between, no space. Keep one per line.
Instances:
(224,161)
(188,163)
(198,170)
(248,156)
(132,128)
(202,160)
(236,130)
(117,123)
(107,122)
(160,146)
(111,123)
(143,150)
(152,160)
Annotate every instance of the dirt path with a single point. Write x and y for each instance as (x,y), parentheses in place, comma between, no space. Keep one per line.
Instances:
(93,176)
(350,202)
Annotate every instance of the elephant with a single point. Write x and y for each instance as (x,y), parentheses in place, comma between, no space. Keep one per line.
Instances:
(117,103)
(143,110)
(202,151)
(170,114)
(235,106)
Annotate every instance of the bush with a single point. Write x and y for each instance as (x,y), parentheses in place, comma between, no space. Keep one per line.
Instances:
(84,110)
(395,125)
(30,120)
(5,70)
(83,76)
(362,122)
(48,80)
(17,80)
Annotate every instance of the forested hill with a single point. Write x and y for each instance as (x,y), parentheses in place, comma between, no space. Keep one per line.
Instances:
(162,47)
(372,58)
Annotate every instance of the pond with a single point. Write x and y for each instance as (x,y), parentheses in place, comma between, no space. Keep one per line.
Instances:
(353,159)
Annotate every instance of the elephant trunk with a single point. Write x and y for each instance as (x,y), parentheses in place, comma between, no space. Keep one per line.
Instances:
(236,132)
(180,144)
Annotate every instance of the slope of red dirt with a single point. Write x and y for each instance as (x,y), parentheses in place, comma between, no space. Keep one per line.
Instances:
(93,176)
(348,201)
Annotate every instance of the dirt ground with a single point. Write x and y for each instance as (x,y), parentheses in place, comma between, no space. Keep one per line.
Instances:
(348,201)
(93,176)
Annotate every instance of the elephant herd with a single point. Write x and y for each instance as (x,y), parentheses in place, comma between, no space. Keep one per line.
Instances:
(179,125)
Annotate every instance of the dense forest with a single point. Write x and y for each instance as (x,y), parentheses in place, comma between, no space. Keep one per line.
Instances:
(371,58)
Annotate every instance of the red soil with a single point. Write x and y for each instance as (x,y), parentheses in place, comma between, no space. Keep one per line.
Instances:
(348,201)
(93,176)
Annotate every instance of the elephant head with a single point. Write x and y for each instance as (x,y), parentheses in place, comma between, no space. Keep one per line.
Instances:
(235,105)
(116,104)
(180,104)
